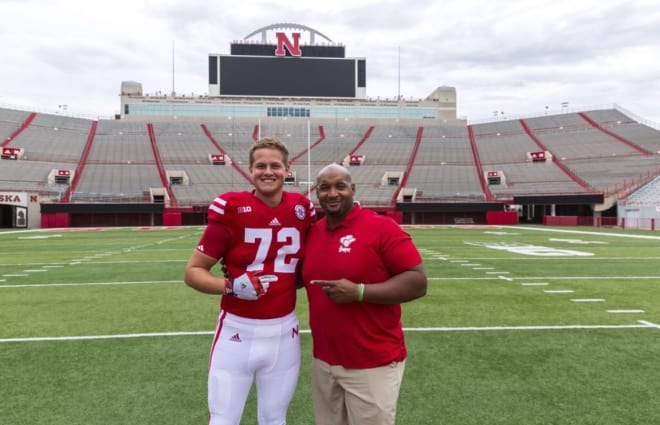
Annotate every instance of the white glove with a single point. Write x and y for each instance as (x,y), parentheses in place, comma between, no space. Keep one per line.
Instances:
(249,286)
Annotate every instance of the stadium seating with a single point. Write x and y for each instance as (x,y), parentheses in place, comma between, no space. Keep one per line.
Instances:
(437,162)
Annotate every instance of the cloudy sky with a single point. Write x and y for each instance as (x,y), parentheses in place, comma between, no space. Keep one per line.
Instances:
(516,57)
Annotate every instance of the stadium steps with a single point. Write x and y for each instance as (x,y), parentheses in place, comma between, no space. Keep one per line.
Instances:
(219,147)
(80,168)
(363,140)
(477,164)
(409,166)
(159,165)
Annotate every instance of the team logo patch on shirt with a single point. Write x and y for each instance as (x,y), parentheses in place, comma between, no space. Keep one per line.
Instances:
(300,212)
(345,243)
(244,209)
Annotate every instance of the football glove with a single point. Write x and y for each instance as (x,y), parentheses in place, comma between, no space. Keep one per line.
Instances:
(249,286)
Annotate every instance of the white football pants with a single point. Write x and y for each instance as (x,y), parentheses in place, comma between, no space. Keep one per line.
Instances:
(245,350)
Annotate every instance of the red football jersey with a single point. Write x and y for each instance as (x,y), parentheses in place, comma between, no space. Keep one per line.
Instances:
(252,236)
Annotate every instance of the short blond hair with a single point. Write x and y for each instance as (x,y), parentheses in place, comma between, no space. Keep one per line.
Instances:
(269,143)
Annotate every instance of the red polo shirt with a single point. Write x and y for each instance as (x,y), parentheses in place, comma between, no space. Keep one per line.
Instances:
(365,248)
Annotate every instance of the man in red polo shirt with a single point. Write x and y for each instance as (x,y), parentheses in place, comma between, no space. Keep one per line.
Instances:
(359,267)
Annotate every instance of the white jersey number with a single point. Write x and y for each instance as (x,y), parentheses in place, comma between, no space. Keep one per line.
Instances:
(290,236)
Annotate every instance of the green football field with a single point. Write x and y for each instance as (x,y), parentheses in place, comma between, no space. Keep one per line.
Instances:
(521,325)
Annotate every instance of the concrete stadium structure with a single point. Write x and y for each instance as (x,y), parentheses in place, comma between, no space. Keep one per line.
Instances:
(164,158)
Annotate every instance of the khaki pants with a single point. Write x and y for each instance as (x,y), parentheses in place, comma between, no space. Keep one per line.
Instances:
(355,396)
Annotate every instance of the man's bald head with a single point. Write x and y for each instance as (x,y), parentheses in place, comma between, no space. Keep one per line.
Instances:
(334,167)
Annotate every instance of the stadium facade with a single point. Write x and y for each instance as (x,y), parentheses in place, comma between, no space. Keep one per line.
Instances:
(165,157)
(290,74)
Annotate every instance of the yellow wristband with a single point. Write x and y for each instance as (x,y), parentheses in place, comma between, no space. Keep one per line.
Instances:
(360,289)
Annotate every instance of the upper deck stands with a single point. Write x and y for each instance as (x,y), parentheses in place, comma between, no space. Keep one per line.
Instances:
(10,121)
(53,138)
(571,137)
(119,142)
(640,134)
(182,143)
(499,143)
(389,145)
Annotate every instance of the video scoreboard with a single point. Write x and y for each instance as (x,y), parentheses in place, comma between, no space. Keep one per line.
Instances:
(286,68)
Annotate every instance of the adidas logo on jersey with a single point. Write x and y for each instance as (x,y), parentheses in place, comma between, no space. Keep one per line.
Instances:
(274,222)
(236,338)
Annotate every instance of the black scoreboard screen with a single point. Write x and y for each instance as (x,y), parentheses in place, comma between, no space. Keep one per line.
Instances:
(287,76)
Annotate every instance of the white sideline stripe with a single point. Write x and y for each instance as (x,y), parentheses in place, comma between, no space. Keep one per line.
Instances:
(558,291)
(625,311)
(588,300)
(534,284)
(35,271)
(41,285)
(643,324)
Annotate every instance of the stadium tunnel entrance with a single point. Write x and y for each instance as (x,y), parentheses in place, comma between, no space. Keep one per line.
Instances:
(12,216)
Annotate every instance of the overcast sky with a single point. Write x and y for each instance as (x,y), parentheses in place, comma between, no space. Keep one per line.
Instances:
(516,57)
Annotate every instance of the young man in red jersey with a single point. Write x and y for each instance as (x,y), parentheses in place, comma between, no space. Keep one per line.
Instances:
(259,236)
(358,268)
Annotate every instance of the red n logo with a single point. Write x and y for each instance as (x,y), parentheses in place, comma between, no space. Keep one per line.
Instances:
(292,47)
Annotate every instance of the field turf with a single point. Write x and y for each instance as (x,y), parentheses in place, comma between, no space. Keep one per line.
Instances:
(521,325)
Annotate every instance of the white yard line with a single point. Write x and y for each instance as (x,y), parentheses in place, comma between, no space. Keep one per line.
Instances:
(42,285)
(642,324)
(584,232)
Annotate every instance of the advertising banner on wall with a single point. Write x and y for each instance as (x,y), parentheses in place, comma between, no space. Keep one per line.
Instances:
(14,198)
